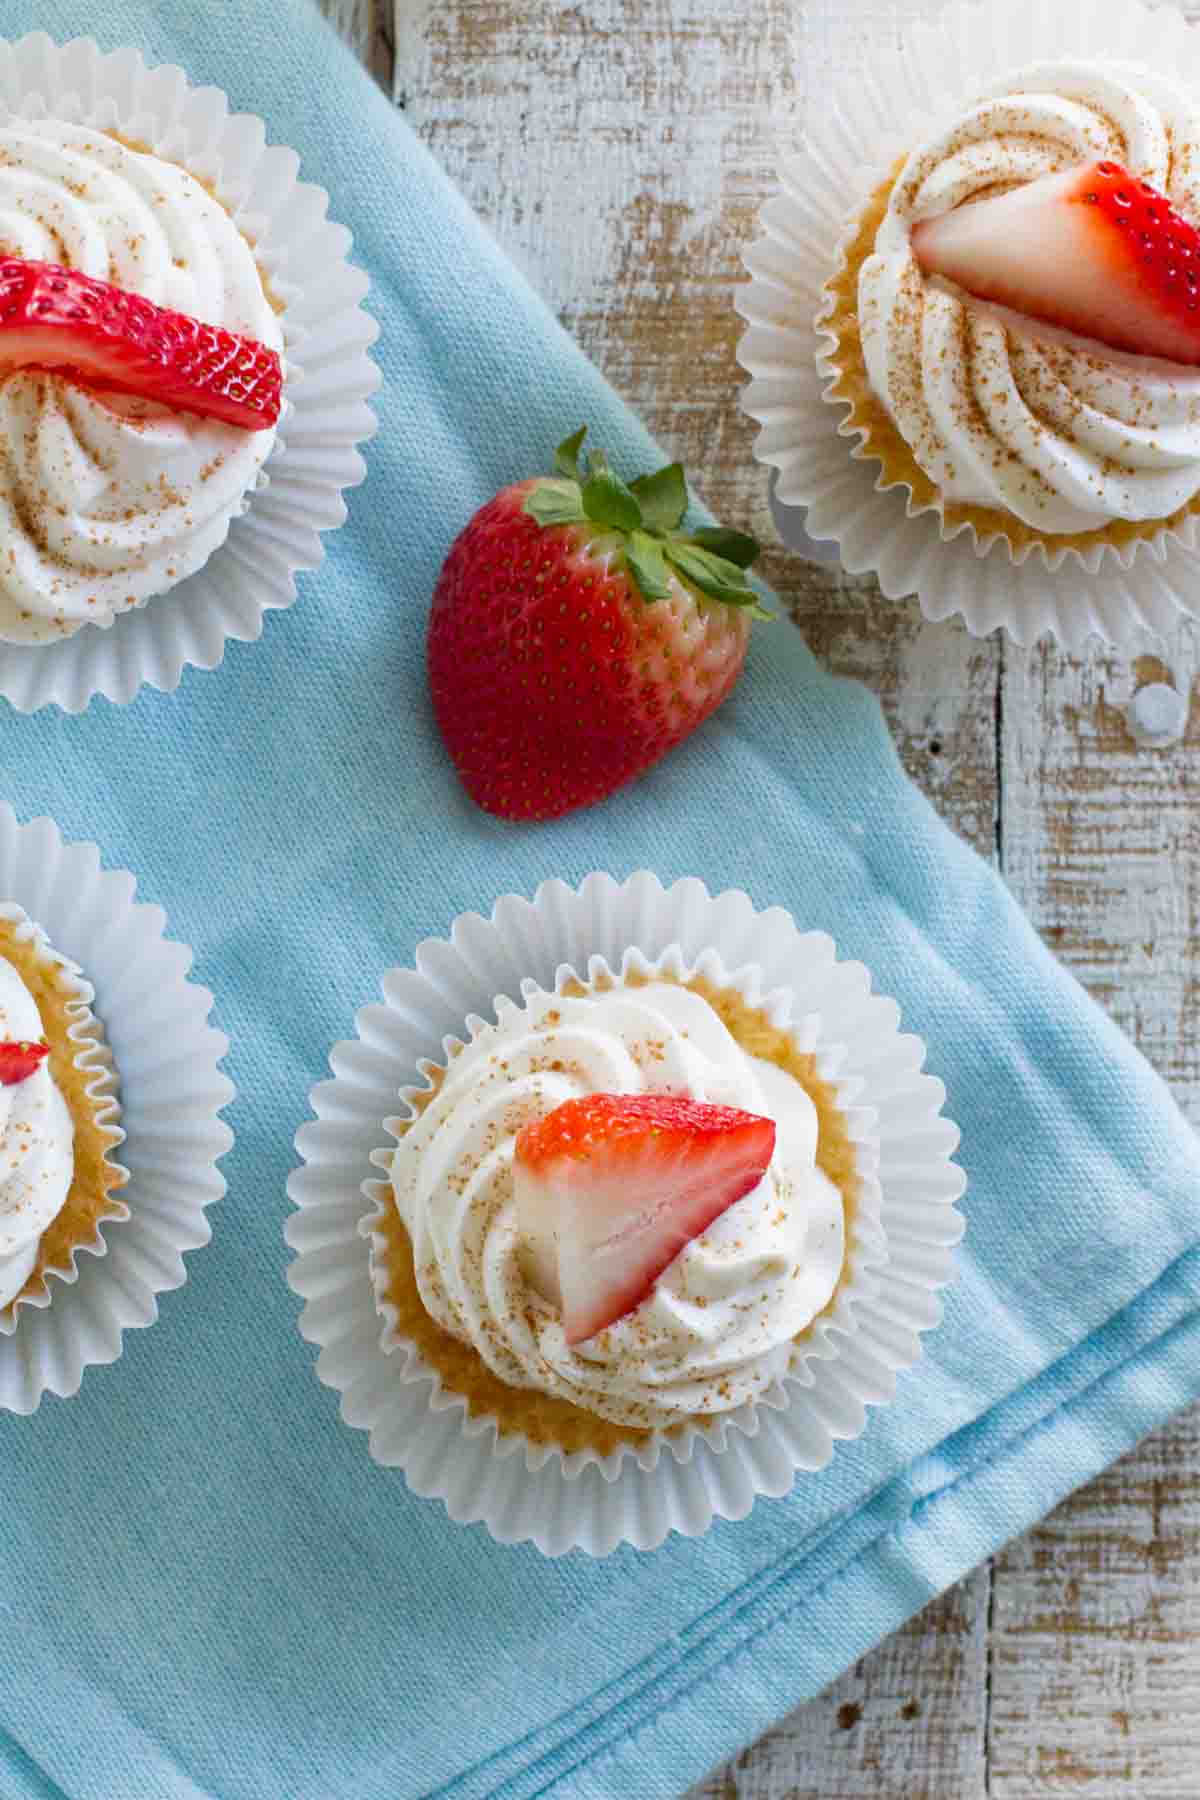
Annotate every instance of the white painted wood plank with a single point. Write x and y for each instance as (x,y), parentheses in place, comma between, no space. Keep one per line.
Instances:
(1102,838)
(1096,1637)
(1095,1671)
(1096,1640)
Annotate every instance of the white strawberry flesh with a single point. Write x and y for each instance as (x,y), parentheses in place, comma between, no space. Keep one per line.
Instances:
(1094,251)
(610,1188)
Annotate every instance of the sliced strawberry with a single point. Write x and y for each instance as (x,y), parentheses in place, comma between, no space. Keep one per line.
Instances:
(18,1061)
(1093,250)
(58,319)
(611,1188)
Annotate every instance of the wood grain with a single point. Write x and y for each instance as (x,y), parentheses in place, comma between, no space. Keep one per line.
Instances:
(620,152)
(906,1723)
(1102,839)
(1094,1686)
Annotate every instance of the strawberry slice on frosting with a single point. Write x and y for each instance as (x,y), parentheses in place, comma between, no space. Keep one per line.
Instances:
(1094,251)
(611,1187)
(53,318)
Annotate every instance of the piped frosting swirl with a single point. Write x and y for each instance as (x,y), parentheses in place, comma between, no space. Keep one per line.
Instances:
(1000,411)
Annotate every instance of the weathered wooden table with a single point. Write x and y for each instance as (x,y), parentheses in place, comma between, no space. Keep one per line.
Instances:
(620,150)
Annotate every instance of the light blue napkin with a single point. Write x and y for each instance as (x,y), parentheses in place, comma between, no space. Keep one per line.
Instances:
(206,1586)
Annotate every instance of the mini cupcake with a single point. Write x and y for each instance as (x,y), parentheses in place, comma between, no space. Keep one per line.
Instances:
(630,1263)
(618,1210)
(104,1045)
(1002,321)
(110,494)
(1044,438)
(163,280)
(58,1118)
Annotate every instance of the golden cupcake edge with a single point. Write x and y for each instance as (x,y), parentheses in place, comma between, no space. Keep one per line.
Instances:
(867,419)
(90,1095)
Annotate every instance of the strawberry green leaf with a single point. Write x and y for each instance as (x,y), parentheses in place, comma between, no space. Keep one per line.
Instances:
(663,497)
(566,457)
(648,566)
(712,574)
(606,499)
(735,546)
(554,502)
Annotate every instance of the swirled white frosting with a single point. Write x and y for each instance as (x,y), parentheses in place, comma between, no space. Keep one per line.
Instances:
(104,500)
(999,410)
(37,1138)
(719,1326)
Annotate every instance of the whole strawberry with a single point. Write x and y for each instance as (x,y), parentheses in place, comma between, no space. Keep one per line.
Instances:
(577,635)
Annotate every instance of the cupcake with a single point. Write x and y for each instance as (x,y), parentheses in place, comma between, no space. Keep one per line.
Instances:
(111,496)
(104,1045)
(626,1262)
(164,280)
(618,1210)
(1006,424)
(981,286)
(58,1118)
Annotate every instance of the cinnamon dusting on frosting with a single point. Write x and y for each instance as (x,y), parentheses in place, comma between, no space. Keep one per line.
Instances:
(549,1418)
(1054,429)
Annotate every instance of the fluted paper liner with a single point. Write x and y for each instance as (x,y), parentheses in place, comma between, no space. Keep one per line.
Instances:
(95,1083)
(160,1056)
(328,374)
(899,1253)
(1117,591)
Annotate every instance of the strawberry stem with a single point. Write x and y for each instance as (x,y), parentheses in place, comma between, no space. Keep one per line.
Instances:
(646,514)
(566,457)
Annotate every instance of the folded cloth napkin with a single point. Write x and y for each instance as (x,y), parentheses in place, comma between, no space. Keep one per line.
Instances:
(208,1587)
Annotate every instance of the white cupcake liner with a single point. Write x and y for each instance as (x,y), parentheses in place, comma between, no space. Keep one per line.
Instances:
(93,1058)
(159,1059)
(1117,594)
(328,373)
(909,1223)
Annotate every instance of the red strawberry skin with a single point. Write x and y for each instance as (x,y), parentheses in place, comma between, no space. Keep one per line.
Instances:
(18,1061)
(554,683)
(611,1187)
(1093,250)
(58,319)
